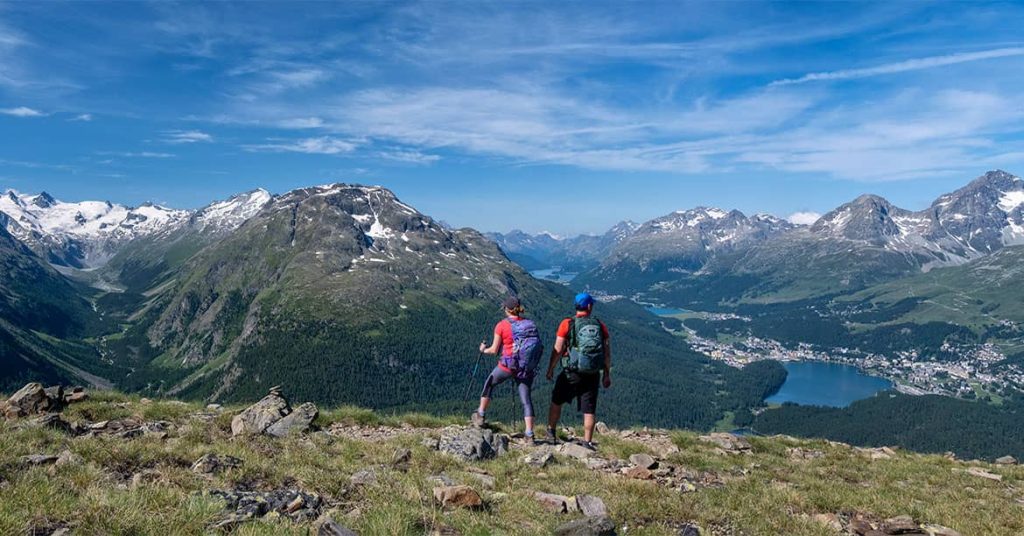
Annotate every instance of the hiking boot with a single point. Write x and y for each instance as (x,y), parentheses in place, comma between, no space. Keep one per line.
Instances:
(590,445)
(552,436)
(477,420)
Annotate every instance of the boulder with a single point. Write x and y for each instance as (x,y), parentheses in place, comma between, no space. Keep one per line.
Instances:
(1006,460)
(539,458)
(591,506)
(296,422)
(486,481)
(900,525)
(574,450)
(258,417)
(210,464)
(329,527)
(76,394)
(730,443)
(441,480)
(364,477)
(602,428)
(33,399)
(645,461)
(472,444)
(588,526)
(556,503)
(458,497)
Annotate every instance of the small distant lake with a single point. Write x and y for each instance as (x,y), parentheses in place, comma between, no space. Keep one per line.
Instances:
(553,274)
(665,311)
(813,383)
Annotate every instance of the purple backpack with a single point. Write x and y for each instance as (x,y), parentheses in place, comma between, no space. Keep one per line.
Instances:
(527,349)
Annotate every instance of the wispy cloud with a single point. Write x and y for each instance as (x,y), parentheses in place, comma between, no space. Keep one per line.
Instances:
(142,154)
(187,136)
(408,156)
(81,117)
(22,111)
(320,145)
(905,66)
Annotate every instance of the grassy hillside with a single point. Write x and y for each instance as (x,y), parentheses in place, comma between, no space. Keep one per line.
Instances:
(145,485)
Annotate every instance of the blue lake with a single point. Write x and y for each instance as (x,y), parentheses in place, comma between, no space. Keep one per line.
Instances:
(813,383)
(553,274)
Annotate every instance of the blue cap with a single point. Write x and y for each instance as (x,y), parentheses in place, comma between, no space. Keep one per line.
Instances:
(584,300)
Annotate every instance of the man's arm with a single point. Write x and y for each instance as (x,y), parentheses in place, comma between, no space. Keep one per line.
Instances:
(556,354)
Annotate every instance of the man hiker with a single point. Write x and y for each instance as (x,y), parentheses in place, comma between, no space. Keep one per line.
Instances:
(521,352)
(582,346)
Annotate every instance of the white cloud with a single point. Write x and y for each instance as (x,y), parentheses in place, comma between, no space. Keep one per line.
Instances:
(143,154)
(81,117)
(22,111)
(187,136)
(408,156)
(320,145)
(301,123)
(904,66)
(803,218)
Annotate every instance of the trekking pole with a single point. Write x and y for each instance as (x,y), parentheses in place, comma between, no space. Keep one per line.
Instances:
(472,377)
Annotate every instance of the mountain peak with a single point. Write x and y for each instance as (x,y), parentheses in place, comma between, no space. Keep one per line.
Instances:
(44,200)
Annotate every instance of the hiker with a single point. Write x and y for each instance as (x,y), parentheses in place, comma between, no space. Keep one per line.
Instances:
(582,347)
(521,351)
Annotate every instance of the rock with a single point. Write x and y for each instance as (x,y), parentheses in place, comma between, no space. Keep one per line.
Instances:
(458,497)
(401,457)
(588,526)
(591,506)
(899,525)
(364,477)
(296,422)
(55,421)
(214,407)
(472,444)
(596,464)
(32,399)
(55,393)
(800,453)
(258,417)
(441,480)
(639,473)
(829,520)
(979,472)
(730,443)
(329,527)
(38,459)
(209,464)
(601,428)
(294,504)
(147,476)
(576,451)
(939,530)
(689,529)
(1006,460)
(486,481)
(539,458)
(556,503)
(645,461)
(68,458)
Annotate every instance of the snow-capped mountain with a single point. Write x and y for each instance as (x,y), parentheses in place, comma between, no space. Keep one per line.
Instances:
(83,234)
(87,234)
(544,250)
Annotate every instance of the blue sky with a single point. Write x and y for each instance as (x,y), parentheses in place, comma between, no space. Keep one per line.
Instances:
(565,117)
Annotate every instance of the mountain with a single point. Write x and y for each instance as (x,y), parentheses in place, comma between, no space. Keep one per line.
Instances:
(84,234)
(861,243)
(354,296)
(575,254)
(39,308)
(679,243)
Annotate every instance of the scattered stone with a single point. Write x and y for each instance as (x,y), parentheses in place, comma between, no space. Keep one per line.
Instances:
(639,473)
(214,407)
(801,454)
(210,464)
(1006,460)
(296,422)
(329,527)
(431,443)
(591,506)
(939,530)
(899,525)
(588,526)
(539,458)
(364,477)
(401,457)
(147,476)
(601,428)
(33,399)
(441,480)
(596,464)
(458,497)
(645,461)
(67,458)
(556,503)
(979,472)
(829,520)
(38,459)
(730,443)
(689,529)
(55,421)
(574,450)
(246,505)
(258,417)
(472,444)
(486,481)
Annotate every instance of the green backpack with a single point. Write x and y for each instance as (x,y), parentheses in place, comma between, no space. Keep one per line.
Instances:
(586,345)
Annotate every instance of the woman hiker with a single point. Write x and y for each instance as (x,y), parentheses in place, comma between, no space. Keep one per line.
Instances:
(517,340)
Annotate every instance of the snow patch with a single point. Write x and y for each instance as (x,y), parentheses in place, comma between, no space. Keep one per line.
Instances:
(1011,200)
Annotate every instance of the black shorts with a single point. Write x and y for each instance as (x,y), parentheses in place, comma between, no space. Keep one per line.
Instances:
(582,387)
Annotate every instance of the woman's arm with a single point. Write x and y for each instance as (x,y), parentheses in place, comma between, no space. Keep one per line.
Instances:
(494,348)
